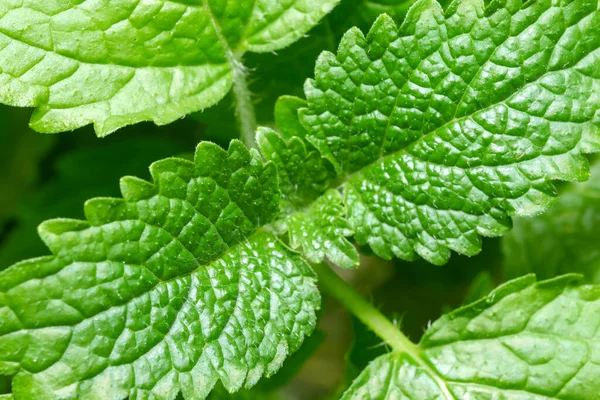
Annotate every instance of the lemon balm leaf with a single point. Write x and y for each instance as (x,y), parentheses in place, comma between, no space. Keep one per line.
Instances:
(446,127)
(172,288)
(118,63)
(521,341)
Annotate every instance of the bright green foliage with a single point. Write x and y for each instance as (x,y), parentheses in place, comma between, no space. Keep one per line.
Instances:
(303,175)
(282,73)
(563,240)
(321,230)
(526,341)
(316,225)
(415,140)
(445,128)
(118,63)
(286,116)
(172,288)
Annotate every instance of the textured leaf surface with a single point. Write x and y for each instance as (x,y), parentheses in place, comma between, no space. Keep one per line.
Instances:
(315,223)
(283,73)
(526,341)
(172,288)
(118,63)
(321,230)
(563,240)
(303,174)
(446,127)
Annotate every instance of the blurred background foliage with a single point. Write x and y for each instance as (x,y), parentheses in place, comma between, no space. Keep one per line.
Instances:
(49,176)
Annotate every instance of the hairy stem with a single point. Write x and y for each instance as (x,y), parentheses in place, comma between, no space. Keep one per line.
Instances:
(244,108)
(369,315)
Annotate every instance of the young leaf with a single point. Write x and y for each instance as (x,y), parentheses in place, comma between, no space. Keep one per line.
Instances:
(118,63)
(303,174)
(444,128)
(171,288)
(316,225)
(563,240)
(286,116)
(526,340)
(321,230)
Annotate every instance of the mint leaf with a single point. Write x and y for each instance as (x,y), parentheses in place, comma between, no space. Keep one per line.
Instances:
(316,225)
(174,287)
(526,340)
(274,387)
(563,240)
(321,230)
(282,73)
(286,116)
(303,174)
(446,127)
(119,63)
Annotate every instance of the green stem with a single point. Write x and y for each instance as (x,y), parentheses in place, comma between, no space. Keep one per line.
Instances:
(375,320)
(364,311)
(244,107)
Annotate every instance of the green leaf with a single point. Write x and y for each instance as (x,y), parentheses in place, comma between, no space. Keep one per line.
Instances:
(526,340)
(563,240)
(286,116)
(174,287)
(365,347)
(316,225)
(282,73)
(293,364)
(269,389)
(117,63)
(320,232)
(303,174)
(446,127)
